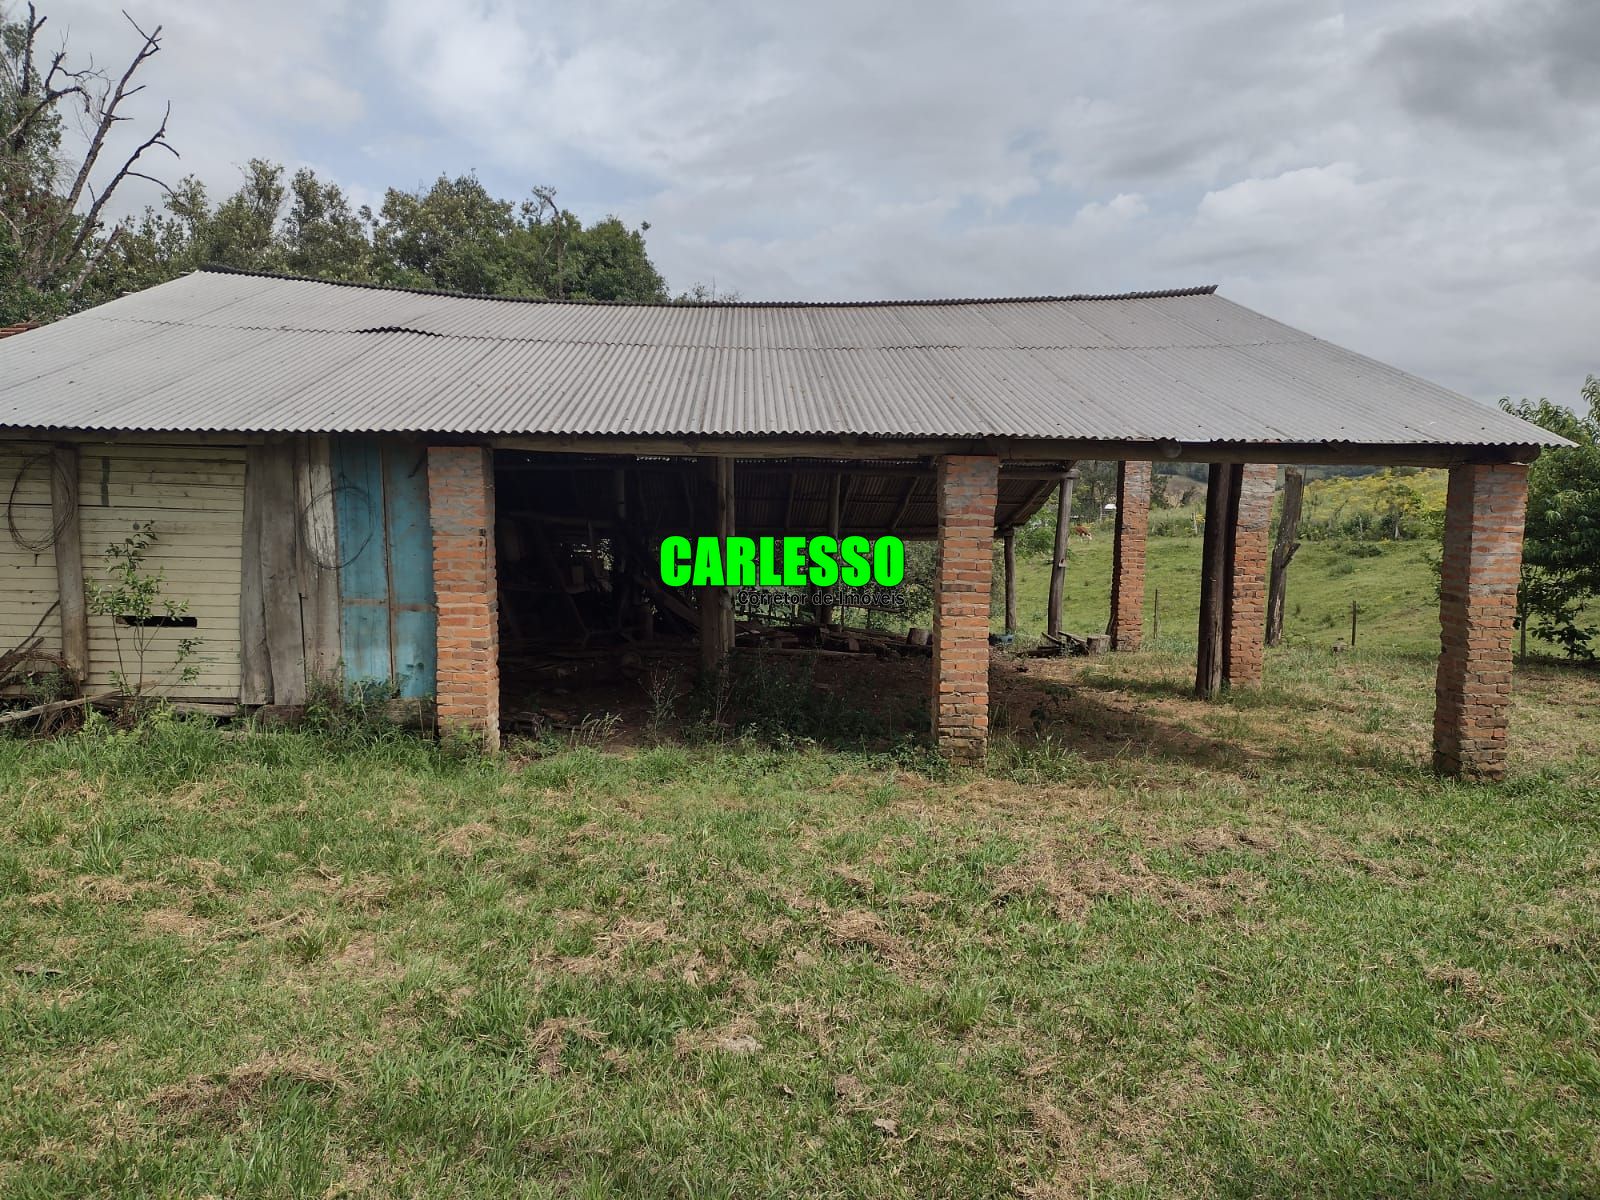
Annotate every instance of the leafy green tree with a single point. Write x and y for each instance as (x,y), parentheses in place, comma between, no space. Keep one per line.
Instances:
(452,236)
(322,235)
(1561,550)
(161,245)
(457,237)
(243,231)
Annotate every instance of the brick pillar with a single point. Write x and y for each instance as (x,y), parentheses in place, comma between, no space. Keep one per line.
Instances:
(1126,626)
(1477,610)
(461,507)
(1244,629)
(967,488)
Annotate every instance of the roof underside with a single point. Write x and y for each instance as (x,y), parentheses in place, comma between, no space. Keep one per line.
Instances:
(227,352)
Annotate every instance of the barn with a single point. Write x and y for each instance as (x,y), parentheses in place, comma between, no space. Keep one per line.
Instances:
(395,488)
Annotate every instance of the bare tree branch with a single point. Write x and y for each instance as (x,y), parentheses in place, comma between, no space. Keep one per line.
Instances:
(94,260)
(91,220)
(107,119)
(51,250)
(17,136)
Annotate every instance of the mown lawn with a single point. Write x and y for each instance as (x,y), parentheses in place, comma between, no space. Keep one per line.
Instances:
(1159,948)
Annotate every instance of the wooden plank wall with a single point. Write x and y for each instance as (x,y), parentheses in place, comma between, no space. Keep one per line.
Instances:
(288,617)
(387,613)
(27,557)
(194,496)
(301,559)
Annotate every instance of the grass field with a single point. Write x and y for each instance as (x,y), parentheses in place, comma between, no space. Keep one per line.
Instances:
(1393,585)
(1160,948)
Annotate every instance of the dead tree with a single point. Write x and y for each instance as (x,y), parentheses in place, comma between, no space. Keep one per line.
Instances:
(59,245)
(1283,551)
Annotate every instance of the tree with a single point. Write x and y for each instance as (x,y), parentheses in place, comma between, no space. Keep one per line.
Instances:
(243,232)
(61,251)
(53,210)
(453,236)
(322,235)
(1561,549)
(1097,482)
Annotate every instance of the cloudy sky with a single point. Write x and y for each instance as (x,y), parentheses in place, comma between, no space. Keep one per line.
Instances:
(1417,181)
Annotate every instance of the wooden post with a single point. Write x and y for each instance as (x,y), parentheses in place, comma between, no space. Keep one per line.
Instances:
(1128,555)
(1058,564)
(1283,551)
(68,548)
(255,663)
(825,611)
(1213,581)
(1008,544)
(725,525)
(1352,624)
(280,575)
(716,604)
(317,549)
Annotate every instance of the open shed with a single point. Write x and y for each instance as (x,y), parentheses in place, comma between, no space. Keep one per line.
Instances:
(356,481)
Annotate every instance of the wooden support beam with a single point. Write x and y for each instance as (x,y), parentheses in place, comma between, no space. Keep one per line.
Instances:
(905,505)
(1220,488)
(1008,543)
(835,515)
(317,553)
(1283,552)
(280,575)
(716,604)
(255,664)
(1035,498)
(727,517)
(68,530)
(1020,450)
(1058,562)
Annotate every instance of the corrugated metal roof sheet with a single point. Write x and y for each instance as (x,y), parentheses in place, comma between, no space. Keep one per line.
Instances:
(234,352)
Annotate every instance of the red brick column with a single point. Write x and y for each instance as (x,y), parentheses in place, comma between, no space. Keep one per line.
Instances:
(967,488)
(461,506)
(1244,628)
(1477,610)
(1126,626)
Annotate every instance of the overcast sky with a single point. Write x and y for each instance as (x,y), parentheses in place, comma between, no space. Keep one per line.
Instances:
(1418,181)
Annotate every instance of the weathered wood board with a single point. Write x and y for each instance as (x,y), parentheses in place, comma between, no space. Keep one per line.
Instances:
(387,616)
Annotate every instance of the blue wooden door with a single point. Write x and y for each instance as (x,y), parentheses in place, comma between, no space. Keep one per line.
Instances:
(387,616)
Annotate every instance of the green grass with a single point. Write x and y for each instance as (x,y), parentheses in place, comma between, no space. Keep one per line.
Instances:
(1393,584)
(1161,948)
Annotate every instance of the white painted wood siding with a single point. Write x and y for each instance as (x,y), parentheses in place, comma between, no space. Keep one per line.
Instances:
(27,576)
(194,495)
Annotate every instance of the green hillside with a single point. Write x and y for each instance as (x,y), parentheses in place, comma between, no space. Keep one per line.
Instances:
(1392,584)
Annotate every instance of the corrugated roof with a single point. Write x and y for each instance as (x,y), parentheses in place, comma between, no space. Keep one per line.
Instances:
(236,352)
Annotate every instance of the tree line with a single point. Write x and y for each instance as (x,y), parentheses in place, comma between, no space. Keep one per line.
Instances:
(65,244)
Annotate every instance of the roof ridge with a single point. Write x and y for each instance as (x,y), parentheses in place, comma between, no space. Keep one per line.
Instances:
(1160,294)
